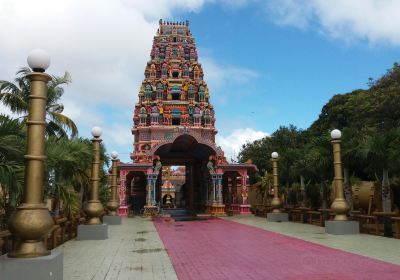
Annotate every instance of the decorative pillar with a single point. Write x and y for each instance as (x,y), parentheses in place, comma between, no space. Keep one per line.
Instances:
(207,194)
(213,177)
(219,178)
(32,220)
(149,190)
(123,208)
(93,208)
(113,204)
(217,207)
(94,228)
(340,224)
(113,218)
(276,203)
(244,207)
(339,205)
(154,182)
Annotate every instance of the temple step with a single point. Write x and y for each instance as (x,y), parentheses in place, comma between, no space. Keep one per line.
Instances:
(177,212)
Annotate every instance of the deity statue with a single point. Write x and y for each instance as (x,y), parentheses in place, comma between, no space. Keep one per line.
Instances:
(210,165)
(244,195)
(157,166)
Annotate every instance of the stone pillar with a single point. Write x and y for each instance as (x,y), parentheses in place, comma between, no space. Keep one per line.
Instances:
(149,191)
(123,208)
(220,200)
(213,178)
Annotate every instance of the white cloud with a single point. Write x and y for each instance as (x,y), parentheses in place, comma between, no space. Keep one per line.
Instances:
(376,21)
(218,76)
(104,45)
(232,143)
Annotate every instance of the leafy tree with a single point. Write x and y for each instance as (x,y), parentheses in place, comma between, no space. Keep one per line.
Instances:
(16,97)
(11,165)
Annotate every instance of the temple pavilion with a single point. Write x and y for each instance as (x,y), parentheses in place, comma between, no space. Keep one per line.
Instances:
(174,125)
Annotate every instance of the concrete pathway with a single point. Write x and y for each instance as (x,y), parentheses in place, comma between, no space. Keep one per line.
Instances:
(133,251)
(221,249)
(377,247)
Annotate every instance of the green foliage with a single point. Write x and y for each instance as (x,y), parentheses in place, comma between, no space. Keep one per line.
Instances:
(370,123)
(11,166)
(16,97)
(68,164)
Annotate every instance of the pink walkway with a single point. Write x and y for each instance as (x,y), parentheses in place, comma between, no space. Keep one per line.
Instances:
(219,249)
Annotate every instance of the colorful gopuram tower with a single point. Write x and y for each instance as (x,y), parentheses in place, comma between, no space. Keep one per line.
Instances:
(173,93)
(173,124)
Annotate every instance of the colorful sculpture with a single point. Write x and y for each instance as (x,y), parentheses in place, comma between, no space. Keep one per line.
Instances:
(173,93)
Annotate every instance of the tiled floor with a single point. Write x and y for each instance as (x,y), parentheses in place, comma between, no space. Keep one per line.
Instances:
(221,250)
(377,247)
(134,250)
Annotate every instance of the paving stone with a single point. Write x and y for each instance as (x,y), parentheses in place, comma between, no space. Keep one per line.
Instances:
(377,247)
(132,251)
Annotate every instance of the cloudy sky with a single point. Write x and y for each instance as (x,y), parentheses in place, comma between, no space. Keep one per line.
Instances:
(267,63)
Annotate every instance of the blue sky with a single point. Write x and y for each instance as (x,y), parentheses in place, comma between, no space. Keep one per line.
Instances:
(267,63)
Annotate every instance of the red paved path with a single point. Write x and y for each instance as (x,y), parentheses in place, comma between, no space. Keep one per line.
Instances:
(220,249)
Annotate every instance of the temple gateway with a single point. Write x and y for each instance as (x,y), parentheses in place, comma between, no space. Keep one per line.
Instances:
(174,128)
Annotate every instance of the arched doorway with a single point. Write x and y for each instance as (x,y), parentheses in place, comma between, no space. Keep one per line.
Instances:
(186,151)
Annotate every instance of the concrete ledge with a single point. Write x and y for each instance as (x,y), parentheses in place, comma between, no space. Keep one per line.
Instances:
(342,227)
(92,232)
(41,268)
(277,217)
(112,220)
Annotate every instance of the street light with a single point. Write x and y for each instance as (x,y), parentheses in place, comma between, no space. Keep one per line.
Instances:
(31,220)
(113,204)
(276,215)
(30,223)
(276,201)
(340,225)
(93,208)
(339,205)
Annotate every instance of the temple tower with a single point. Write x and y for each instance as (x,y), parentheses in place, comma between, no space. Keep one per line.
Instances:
(173,125)
(173,95)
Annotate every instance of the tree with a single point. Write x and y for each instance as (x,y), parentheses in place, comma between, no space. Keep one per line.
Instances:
(11,165)
(67,165)
(382,157)
(16,97)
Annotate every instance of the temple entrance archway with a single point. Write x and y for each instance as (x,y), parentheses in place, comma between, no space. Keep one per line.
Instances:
(186,151)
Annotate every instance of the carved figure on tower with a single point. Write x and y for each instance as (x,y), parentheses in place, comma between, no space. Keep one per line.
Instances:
(173,93)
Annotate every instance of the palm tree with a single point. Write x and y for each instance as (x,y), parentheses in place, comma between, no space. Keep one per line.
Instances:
(68,161)
(16,97)
(68,168)
(382,152)
(319,158)
(11,165)
(353,146)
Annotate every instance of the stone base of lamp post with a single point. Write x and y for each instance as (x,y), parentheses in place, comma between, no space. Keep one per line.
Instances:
(277,217)
(112,220)
(342,227)
(40,268)
(92,232)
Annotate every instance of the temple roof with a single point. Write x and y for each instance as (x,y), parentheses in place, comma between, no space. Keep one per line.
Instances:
(176,27)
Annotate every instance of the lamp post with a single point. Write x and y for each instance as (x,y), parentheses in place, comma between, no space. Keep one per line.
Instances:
(340,224)
(93,207)
(113,204)
(276,201)
(32,220)
(276,215)
(339,205)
